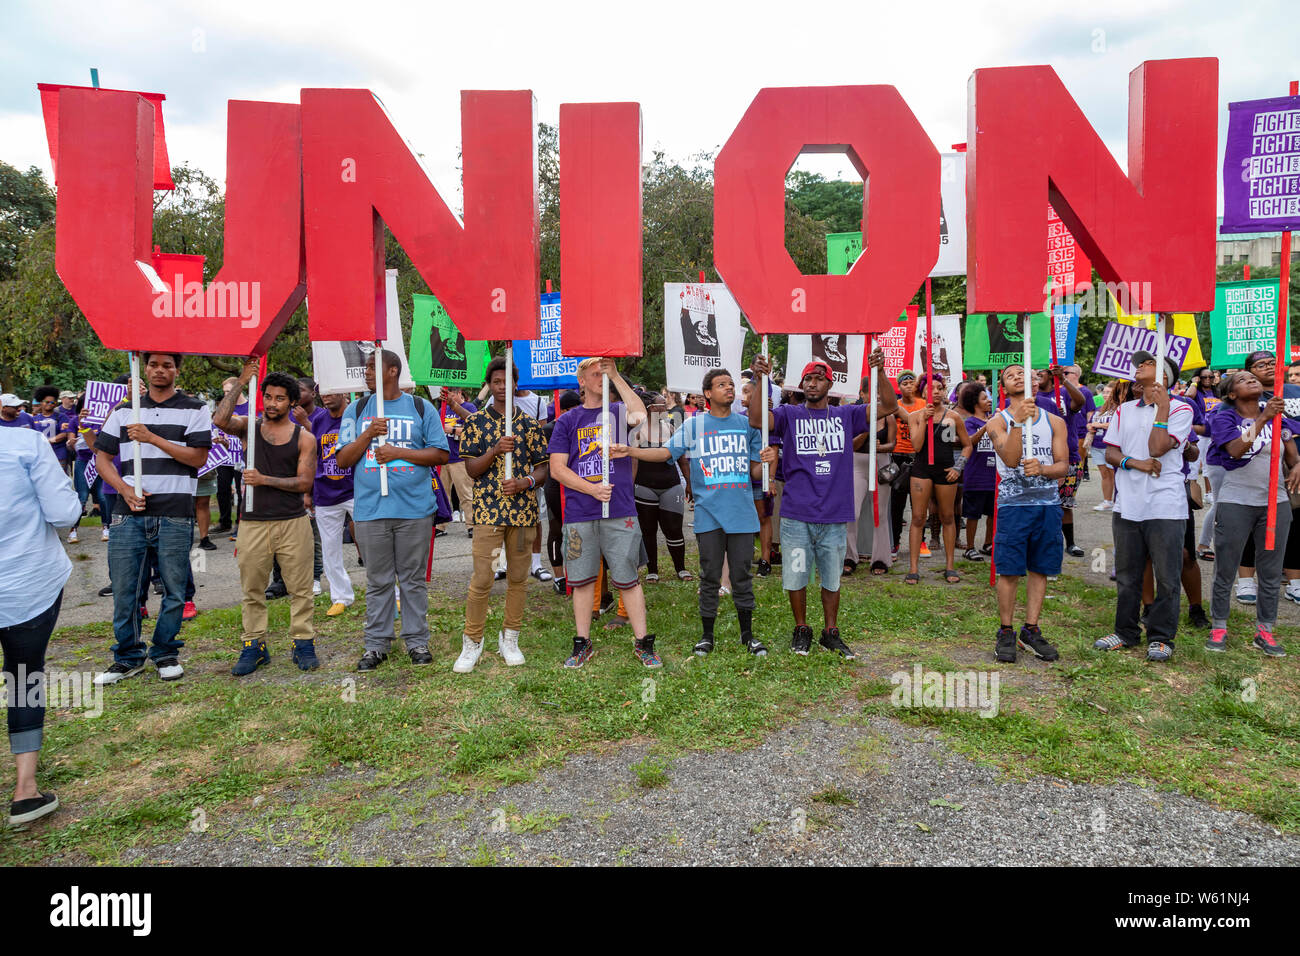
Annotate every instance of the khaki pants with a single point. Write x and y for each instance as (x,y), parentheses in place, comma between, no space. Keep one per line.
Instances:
(517,544)
(261,543)
(458,478)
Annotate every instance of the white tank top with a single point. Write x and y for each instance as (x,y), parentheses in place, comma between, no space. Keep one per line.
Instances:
(1016,488)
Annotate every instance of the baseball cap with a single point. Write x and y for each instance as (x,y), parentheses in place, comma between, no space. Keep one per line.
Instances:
(10,400)
(817,366)
(1142,356)
(66,394)
(906,373)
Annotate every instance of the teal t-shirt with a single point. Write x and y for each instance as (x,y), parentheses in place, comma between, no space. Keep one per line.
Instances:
(720,450)
(410,487)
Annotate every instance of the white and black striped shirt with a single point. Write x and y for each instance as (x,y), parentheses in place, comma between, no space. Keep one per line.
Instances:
(170,485)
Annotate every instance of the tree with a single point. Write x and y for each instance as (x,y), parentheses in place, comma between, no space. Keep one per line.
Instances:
(26,204)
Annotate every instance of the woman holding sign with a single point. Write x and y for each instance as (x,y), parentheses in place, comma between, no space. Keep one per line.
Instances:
(937,481)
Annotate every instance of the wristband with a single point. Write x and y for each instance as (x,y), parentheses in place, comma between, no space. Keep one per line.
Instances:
(1124,464)
(959,463)
(1164,425)
(532,482)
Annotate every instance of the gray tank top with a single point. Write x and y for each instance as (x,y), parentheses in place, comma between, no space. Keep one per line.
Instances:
(1018,489)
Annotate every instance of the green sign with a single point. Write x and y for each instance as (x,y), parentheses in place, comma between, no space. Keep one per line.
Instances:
(1244,320)
(995,340)
(439,353)
(842,250)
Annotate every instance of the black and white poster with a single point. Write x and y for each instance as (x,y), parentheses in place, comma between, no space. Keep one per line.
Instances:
(702,331)
(845,355)
(341,366)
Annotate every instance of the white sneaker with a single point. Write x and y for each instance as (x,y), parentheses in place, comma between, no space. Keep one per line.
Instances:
(508,647)
(170,670)
(1104,506)
(1247,591)
(470,652)
(103,535)
(315,587)
(455,516)
(72,536)
(1292,593)
(1209,498)
(115,673)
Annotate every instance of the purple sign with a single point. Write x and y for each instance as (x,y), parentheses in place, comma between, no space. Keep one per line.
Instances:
(1119,342)
(1261,166)
(220,456)
(101,398)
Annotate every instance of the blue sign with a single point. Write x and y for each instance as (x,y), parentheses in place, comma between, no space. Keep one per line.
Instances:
(540,363)
(1065,318)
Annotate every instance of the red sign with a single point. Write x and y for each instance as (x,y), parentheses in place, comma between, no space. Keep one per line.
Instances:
(900,209)
(897,344)
(1029,142)
(1067,267)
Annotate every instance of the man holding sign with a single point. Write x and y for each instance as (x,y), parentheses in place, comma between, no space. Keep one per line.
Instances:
(154,512)
(393,529)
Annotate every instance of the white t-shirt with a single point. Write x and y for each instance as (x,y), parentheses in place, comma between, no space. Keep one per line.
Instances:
(1138,495)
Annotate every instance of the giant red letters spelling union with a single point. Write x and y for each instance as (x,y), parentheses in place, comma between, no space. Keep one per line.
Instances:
(309,188)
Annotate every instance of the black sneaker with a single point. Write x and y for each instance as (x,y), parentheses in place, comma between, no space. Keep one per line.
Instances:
(560,585)
(106,591)
(1196,616)
(607,603)
(158,588)
(224,528)
(276,590)
(33,808)
(1031,639)
(763,568)
(583,651)
(421,655)
(776,554)
(1075,551)
(831,641)
(118,671)
(370,660)
(754,646)
(704,647)
(206,544)
(801,640)
(1005,650)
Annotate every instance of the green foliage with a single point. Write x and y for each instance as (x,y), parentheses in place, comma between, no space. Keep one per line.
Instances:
(26,204)
(837,204)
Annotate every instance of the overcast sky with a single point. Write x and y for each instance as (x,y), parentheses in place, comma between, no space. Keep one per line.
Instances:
(693,67)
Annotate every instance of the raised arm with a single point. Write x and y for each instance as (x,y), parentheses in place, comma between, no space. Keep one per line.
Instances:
(223,416)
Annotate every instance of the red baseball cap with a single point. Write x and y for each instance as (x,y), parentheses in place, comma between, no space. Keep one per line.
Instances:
(817,366)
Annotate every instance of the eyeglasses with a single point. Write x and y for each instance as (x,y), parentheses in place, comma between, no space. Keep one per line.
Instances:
(1265,364)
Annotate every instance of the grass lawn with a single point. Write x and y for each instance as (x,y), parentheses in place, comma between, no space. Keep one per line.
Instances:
(1220,727)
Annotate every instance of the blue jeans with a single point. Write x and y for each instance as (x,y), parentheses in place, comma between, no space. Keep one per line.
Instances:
(129,543)
(805,544)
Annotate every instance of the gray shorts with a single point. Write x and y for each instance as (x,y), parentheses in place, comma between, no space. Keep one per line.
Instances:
(617,540)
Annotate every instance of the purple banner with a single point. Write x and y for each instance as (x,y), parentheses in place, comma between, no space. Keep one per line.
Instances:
(101,398)
(219,455)
(1119,342)
(1261,166)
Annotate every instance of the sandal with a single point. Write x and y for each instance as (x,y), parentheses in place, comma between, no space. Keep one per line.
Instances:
(912,578)
(684,575)
(849,566)
(541,574)
(652,578)
(951,576)
(987,550)
(879,567)
(616,623)
(1205,553)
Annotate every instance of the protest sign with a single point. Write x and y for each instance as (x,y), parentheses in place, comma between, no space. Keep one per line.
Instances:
(843,353)
(702,331)
(101,398)
(341,366)
(1244,320)
(230,454)
(946,340)
(1067,266)
(896,344)
(540,362)
(1184,325)
(995,340)
(1119,342)
(439,353)
(1261,166)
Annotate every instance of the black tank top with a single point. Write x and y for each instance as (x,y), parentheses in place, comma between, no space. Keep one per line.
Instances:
(944,451)
(276,461)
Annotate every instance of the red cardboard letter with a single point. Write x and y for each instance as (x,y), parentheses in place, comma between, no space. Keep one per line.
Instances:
(1029,142)
(103,240)
(600,222)
(357,169)
(900,216)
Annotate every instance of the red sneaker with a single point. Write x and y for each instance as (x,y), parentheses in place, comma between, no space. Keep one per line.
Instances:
(144,611)
(189,611)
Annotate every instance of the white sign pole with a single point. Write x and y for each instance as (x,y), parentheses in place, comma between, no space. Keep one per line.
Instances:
(604,439)
(767,392)
(871,399)
(1031,390)
(510,409)
(379,412)
(250,440)
(136,473)
(1160,348)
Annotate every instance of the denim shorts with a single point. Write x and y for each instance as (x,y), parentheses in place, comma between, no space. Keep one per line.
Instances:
(803,544)
(1029,537)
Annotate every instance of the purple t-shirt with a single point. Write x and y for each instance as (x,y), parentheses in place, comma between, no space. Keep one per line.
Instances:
(50,426)
(1079,420)
(980,471)
(333,485)
(1047,402)
(23,420)
(817,459)
(577,434)
(449,421)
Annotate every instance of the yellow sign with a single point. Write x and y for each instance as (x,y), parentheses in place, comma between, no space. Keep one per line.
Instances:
(1184,325)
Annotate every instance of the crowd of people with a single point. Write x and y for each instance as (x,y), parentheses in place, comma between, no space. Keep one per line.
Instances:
(389,470)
